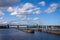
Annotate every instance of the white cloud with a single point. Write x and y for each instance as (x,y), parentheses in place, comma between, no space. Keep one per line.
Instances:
(15,23)
(36,18)
(26,18)
(34,11)
(10,9)
(37,11)
(52,8)
(1,18)
(25,9)
(3,22)
(3,9)
(28,6)
(42,3)
(30,19)
(1,13)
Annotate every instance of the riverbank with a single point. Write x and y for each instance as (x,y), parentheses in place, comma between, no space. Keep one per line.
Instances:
(26,30)
(47,31)
(52,32)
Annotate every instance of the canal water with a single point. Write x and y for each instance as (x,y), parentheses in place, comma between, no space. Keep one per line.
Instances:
(13,34)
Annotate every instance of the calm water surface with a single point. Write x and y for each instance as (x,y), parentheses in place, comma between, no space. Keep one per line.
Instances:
(13,34)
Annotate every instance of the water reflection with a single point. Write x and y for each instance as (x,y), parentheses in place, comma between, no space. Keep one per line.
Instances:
(12,34)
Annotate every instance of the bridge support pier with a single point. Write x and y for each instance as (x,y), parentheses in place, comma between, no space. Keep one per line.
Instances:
(18,26)
(8,26)
(46,27)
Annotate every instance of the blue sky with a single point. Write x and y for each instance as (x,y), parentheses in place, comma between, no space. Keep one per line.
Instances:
(42,12)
